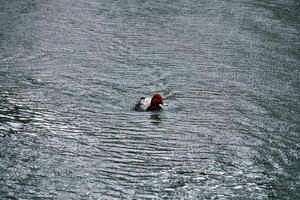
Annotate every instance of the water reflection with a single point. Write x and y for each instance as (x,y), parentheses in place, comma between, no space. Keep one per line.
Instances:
(156,118)
(15,112)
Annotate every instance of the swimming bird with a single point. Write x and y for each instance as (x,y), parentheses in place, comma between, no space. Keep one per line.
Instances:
(150,104)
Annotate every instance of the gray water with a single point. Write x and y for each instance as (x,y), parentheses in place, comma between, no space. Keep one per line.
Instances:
(71,72)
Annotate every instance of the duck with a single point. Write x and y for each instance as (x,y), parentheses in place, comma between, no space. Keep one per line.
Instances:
(150,104)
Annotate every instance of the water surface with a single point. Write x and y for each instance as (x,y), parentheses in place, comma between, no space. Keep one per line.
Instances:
(71,72)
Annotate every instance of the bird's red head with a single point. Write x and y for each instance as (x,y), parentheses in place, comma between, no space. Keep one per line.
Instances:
(156,100)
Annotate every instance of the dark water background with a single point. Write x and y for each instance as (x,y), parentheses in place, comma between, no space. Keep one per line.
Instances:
(72,70)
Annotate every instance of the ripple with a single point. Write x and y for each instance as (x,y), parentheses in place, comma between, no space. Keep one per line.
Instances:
(70,77)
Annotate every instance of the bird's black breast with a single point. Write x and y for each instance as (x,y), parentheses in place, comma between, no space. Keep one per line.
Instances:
(155,108)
